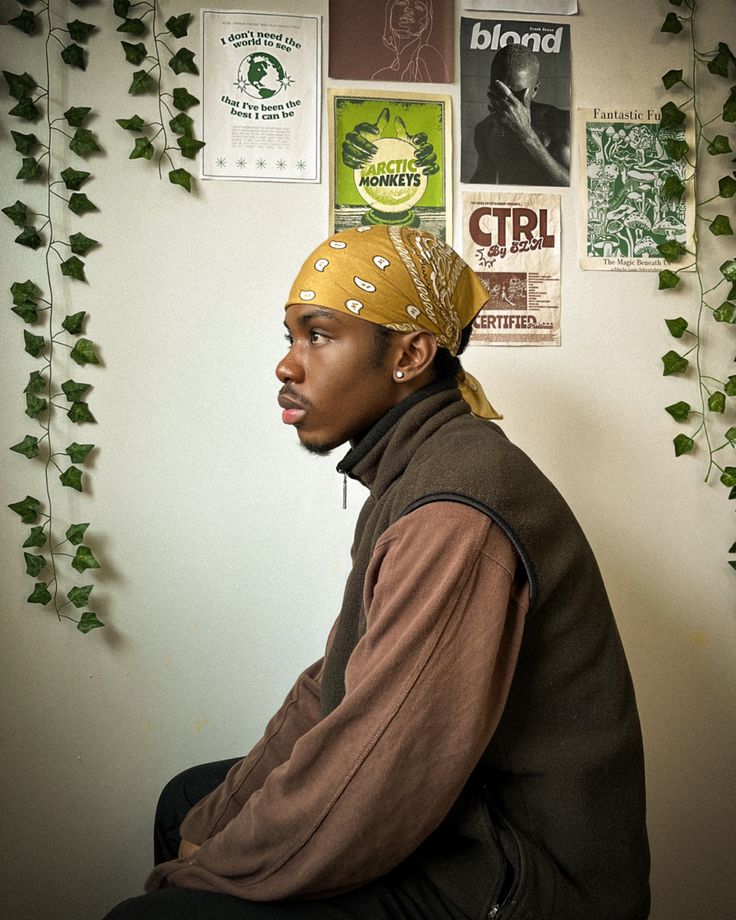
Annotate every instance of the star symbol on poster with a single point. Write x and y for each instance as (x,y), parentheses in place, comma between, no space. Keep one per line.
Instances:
(221,162)
(261,163)
(241,163)
(281,164)
(301,165)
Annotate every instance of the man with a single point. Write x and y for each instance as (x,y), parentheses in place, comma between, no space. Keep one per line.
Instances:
(521,142)
(469,746)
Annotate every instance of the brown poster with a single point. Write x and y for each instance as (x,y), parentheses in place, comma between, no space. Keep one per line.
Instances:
(409,41)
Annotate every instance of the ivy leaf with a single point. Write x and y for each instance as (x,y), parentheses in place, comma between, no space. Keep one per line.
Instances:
(135,54)
(73,55)
(183,62)
(72,479)
(132,27)
(719,144)
(726,313)
(28,447)
(672,250)
(84,353)
(143,148)
(26,22)
(80,31)
(79,413)
(34,564)
(679,411)
(181,177)
(29,237)
(719,64)
(78,452)
(668,279)
(79,596)
(189,146)
(80,244)
(88,621)
(672,116)
(18,213)
(74,178)
(83,143)
(25,109)
(20,85)
(729,107)
(76,115)
(728,270)
(674,363)
(73,390)
(728,477)
(84,559)
(683,444)
(35,538)
(36,383)
(677,326)
(178,25)
(182,124)
(34,343)
(676,149)
(717,402)
(75,535)
(27,509)
(135,123)
(73,267)
(727,187)
(121,8)
(74,322)
(730,388)
(24,143)
(30,169)
(671,78)
(27,311)
(671,24)
(34,405)
(730,435)
(183,99)
(39,595)
(142,83)
(721,226)
(673,187)
(80,204)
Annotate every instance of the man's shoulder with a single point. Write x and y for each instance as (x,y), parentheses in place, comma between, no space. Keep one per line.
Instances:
(550,117)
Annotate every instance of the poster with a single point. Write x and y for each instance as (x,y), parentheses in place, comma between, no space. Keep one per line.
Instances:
(390,160)
(261,90)
(410,41)
(512,240)
(515,102)
(623,215)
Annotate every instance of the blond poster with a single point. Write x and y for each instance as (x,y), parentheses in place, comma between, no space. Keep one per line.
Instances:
(261,90)
(624,216)
(390,160)
(512,240)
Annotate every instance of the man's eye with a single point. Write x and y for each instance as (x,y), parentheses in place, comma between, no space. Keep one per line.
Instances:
(289,338)
(316,337)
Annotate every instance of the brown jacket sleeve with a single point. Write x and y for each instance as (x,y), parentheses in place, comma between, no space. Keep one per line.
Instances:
(425,688)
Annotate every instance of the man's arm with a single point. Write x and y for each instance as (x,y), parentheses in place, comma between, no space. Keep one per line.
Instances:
(425,688)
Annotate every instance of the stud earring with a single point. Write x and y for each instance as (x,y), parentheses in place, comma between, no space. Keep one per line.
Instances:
(399,375)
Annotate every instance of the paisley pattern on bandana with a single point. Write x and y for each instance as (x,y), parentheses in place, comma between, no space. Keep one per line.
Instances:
(403,278)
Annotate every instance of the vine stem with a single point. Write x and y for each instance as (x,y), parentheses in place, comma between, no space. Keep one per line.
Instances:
(156,43)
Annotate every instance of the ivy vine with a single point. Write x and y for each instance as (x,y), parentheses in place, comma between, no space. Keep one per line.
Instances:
(155,138)
(713,390)
(54,184)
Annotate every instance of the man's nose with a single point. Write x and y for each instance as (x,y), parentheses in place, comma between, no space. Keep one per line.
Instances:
(289,369)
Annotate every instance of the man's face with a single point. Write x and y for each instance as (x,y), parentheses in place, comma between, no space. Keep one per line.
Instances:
(523,83)
(333,389)
(409,17)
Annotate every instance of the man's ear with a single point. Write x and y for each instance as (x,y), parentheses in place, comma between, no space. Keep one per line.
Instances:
(414,354)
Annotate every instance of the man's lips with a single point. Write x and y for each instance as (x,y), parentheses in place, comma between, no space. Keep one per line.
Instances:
(293,412)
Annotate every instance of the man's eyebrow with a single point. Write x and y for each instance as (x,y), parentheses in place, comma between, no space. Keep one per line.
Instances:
(318,313)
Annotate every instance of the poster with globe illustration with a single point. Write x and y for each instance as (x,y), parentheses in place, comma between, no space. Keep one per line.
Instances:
(391,160)
(627,168)
(261,90)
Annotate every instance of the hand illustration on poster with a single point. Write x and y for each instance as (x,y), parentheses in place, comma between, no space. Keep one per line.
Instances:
(389,161)
(517,73)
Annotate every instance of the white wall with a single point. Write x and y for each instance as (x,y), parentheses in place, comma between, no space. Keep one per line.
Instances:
(225,547)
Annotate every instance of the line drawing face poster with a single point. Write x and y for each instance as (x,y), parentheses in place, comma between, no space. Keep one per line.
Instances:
(261,91)
(623,215)
(411,41)
(514,102)
(512,241)
(390,160)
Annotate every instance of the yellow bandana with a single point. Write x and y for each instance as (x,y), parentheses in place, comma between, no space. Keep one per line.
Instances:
(402,278)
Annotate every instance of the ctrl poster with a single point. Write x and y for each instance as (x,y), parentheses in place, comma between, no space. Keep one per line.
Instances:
(261,86)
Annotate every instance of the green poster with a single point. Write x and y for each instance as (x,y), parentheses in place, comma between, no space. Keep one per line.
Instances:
(390,161)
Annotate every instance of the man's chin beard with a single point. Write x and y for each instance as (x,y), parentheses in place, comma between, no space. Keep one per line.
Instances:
(320,450)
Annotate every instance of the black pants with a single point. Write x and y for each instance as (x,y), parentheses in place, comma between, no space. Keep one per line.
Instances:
(401,895)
